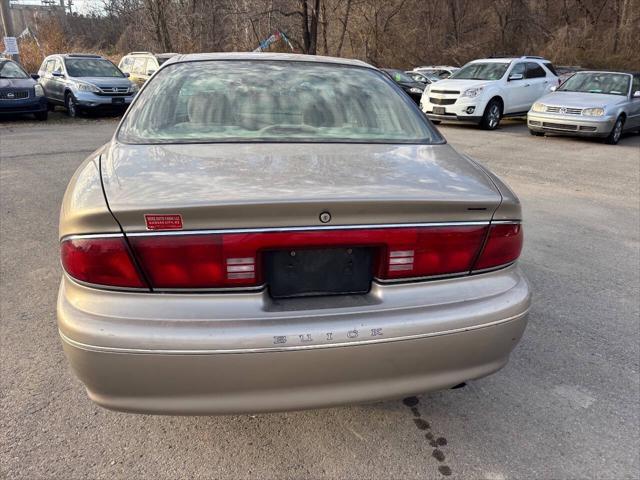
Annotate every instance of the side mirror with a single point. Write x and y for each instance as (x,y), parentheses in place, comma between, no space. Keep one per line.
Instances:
(636,94)
(150,72)
(57,74)
(553,89)
(127,74)
(35,76)
(516,76)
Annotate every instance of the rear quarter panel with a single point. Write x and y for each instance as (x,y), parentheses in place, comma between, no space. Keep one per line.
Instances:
(84,209)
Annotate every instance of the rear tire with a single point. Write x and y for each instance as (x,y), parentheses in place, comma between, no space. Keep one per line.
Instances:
(71,105)
(492,115)
(42,116)
(436,122)
(616,132)
(536,134)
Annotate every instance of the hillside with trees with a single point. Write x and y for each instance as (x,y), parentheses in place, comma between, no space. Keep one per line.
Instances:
(393,33)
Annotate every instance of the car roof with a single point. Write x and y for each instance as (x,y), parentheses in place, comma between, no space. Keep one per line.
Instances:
(262,56)
(160,55)
(75,55)
(609,71)
(80,55)
(437,67)
(494,60)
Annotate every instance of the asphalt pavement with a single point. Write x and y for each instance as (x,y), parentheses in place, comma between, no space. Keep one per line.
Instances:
(566,406)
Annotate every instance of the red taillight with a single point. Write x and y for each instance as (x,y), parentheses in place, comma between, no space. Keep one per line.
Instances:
(427,252)
(228,260)
(100,261)
(503,246)
(189,261)
(234,259)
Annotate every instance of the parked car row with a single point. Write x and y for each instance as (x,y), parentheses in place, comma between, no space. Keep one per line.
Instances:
(484,91)
(588,103)
(76,81)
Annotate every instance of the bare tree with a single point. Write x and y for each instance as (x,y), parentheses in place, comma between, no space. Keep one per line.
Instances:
(394,33)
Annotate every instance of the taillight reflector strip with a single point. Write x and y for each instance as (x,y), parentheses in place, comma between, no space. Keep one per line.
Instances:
(241,268)
(401,260)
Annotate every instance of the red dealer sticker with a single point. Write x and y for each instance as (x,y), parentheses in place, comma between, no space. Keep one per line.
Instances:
(163,222)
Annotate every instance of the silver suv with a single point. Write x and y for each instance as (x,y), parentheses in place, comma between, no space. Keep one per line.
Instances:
(82,81)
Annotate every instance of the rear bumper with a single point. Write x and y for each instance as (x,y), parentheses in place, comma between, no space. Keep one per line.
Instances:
(570,124)
(216,354)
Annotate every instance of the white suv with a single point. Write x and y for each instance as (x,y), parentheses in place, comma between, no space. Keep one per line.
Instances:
(484,91)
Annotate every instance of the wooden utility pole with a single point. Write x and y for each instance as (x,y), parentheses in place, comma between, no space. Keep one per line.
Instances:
(7,23)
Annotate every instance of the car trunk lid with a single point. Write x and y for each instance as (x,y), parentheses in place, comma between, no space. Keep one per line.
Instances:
(230,186)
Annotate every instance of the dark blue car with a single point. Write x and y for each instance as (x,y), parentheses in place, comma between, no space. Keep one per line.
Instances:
(19,93)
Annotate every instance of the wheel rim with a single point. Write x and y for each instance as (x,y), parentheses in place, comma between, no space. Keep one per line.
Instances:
(617,131)
(494,116)
(71,106)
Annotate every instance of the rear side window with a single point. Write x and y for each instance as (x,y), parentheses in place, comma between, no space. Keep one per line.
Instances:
(636,84)
(534,70)
(550,67)
(273,101)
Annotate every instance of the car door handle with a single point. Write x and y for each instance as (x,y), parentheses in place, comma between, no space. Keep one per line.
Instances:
(527,85)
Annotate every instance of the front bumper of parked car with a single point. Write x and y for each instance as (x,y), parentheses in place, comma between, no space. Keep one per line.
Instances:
(245,352)
(570,124)
(463,109)
(30,104)
(93,100)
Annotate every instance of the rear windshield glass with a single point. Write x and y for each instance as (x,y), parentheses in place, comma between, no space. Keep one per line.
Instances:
(481,71)
(91,67)
(267,101)
(595,82)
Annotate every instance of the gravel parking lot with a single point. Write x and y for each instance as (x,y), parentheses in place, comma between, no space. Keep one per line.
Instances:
(566,406)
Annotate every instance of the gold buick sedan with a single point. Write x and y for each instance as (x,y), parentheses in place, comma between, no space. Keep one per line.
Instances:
(273,232)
